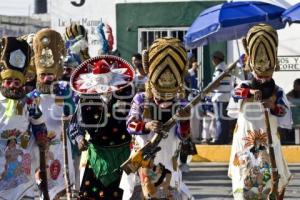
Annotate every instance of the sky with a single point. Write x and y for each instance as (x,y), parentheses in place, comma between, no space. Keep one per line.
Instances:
(26,7)
(16,7)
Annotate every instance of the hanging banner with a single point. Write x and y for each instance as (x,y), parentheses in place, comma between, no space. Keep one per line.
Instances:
(88,13)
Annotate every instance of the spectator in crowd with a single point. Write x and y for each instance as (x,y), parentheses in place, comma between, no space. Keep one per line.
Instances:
(192,89)
(191,80)
(295,92)
(209,123)
(140,75)
(288,136)
(220,99)
(188,147)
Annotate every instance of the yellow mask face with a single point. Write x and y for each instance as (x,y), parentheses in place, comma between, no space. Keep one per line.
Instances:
(167,64)
(262,42)
(167,80)
(46,58)
(49,48)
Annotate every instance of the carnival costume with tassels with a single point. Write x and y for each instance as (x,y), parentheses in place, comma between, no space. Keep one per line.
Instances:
(77,41)
(21,124)
(164,64)
(100,123)
(49,52)
(250,161)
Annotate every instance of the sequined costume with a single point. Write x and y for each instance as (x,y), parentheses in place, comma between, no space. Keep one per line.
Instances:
(101,116)
(164,63)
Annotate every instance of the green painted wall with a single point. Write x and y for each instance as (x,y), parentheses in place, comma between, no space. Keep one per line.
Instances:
(131,16)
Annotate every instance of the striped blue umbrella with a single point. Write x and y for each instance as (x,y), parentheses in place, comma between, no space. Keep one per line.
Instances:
(231,20)
(292,14)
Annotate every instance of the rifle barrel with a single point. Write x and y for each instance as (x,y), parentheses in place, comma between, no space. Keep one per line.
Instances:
(212,85)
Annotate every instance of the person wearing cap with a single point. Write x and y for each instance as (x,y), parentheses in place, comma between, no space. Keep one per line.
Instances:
(260,106)
(165,64)
(99,124)
(71,62)
(191,77)
(140,76)
(220,99)
(21,123)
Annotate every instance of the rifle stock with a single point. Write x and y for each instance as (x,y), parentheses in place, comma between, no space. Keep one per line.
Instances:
(135,161)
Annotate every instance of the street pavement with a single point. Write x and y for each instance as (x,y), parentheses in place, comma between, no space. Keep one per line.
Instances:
(210,181)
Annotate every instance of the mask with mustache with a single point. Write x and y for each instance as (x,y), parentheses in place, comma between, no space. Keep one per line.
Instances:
(13,93)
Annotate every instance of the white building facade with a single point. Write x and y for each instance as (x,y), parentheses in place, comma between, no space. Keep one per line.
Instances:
(136,24)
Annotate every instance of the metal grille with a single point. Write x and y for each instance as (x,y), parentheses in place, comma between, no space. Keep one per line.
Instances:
(148,35)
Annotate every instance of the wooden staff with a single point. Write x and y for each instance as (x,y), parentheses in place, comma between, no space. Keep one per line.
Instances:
(65,123)
(273,195)
(43,172)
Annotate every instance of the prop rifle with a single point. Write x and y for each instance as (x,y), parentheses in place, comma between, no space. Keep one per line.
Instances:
(142,157)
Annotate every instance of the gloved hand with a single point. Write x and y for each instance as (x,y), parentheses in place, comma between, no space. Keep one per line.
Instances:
(280,107)
(184,114)
(82,143)
(154,126)
(63,91)
(241,93)
(34,111)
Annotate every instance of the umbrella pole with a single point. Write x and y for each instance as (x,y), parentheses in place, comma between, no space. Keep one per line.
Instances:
(273,195)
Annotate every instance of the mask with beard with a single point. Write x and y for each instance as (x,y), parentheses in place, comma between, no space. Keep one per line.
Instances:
(13,93)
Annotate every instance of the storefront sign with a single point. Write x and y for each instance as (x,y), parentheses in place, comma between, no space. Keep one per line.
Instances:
(289,63)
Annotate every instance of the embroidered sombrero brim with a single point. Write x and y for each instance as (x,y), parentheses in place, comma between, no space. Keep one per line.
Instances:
(85,81)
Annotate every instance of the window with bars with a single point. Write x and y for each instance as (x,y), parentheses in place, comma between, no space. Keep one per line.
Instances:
(148,35)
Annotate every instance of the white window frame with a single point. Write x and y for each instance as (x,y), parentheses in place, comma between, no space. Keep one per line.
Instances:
(157,29)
